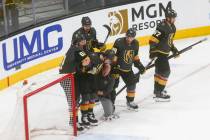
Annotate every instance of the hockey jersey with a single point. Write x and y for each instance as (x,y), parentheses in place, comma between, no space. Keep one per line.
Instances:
(126,53)
(161,42)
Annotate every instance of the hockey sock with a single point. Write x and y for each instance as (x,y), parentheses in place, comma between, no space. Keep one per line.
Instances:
(160,83)
(84,108)
(91,106)
(130,96)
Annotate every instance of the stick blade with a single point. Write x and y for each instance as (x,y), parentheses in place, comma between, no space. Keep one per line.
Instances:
(107,27)
(205,39)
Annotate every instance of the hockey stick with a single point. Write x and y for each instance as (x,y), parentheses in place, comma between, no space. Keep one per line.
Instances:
(109,32)
(150,65)
(182,51)
(137,74)
(103,48)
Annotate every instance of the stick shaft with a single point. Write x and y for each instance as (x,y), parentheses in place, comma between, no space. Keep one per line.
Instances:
(149,66)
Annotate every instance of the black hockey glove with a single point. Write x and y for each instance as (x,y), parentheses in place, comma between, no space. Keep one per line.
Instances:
(140,66)
(97,44)
(137,77)
(100,44)
(175,52)
(152,55)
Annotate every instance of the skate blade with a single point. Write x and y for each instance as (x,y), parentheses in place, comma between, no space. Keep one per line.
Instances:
(83,131)
(132,109)
(161,100)
(115,116)
(94,124)
(108,119)
(86,127)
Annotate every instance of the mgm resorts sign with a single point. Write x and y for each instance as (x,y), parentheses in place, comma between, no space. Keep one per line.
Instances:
(140,17)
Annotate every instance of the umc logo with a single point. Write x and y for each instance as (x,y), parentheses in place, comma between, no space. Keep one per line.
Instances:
(118,21)
(25,49)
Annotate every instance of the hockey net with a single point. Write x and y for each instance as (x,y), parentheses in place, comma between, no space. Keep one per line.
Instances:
(43,112)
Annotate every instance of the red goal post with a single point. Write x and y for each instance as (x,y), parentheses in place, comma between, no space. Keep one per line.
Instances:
(64,80)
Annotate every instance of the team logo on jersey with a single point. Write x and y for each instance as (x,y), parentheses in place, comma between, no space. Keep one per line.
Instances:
(128,56)
(118,21)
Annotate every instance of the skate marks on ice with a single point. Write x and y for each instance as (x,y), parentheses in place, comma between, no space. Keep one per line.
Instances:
(147,100)
(109,137)
(189,75)
(171,85)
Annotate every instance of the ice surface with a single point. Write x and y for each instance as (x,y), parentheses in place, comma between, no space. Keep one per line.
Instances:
(186,117)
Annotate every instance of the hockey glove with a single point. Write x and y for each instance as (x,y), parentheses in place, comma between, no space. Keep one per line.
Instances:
(140,66)
(137,77)
(175,52)
(97,44)
(152,55)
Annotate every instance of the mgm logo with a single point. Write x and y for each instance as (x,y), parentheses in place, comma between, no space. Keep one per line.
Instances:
(118,21)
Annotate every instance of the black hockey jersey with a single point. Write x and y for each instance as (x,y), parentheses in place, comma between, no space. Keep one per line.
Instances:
(161,41)
(69,64)
(95,66)
(126,54)
(90,37)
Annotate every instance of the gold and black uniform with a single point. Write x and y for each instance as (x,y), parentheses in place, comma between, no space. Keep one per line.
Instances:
(161,44)
(90,37)
(127,55)
(86,79)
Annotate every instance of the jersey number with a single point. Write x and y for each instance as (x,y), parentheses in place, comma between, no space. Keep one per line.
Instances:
(157,33)
(82,54)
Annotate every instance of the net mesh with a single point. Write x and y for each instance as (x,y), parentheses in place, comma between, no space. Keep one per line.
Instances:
(44,109)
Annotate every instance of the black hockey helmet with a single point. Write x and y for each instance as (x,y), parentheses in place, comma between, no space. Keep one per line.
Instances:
(131,32)
(170,13)
(86,21)
(80,37)
(80,55)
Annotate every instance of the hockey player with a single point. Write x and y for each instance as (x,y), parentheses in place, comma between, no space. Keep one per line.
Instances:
(161,43)
(69,66)
(87,78)
(127,49)
(90,34)
(92,44)
(83,61)
(105,84)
